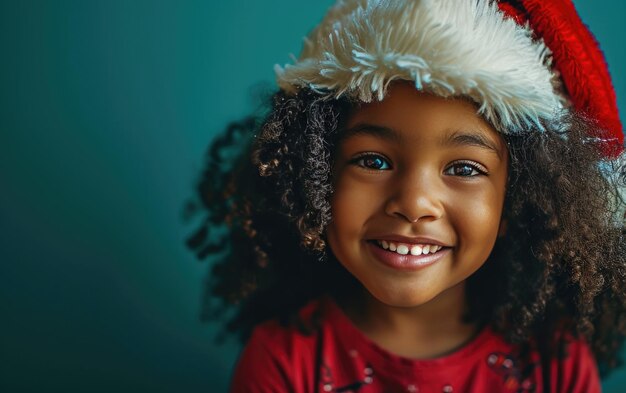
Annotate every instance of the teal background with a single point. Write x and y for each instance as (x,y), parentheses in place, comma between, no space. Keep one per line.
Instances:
(106,109)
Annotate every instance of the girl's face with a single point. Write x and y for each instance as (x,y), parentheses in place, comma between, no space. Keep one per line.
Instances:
(416,170)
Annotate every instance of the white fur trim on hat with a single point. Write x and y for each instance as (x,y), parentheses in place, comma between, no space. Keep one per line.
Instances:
(446,47)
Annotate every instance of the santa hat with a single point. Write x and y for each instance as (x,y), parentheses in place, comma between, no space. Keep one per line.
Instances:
(525,62)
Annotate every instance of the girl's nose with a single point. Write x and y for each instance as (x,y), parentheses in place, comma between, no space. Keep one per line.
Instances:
(415,198)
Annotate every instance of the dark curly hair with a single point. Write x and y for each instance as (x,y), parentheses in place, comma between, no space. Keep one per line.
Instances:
(265,200)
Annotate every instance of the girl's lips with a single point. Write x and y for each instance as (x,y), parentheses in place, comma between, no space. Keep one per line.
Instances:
(405,262)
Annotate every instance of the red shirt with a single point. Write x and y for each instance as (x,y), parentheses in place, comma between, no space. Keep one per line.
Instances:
(338,357)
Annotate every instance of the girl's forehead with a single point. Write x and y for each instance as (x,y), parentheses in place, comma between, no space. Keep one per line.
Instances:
(408,112)
(409,119)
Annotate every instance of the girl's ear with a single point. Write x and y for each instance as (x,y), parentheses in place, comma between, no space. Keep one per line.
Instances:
(502,227)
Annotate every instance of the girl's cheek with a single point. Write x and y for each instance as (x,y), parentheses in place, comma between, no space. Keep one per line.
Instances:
(357,192)
(352,204)
(346,201)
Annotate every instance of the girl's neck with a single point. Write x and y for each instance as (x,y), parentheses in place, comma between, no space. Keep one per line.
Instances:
(430,330)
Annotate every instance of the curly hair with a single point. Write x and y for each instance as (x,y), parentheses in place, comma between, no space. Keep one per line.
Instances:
(560,267)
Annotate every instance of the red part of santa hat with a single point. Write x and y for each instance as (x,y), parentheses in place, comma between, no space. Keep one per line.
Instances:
(580,62)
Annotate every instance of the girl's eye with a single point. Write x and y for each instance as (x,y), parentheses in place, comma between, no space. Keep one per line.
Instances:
(372,161)
(466,169)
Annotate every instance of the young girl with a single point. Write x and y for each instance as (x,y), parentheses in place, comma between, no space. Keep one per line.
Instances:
(431,205)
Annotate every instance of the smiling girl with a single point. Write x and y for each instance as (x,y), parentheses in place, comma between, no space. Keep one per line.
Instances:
(431,205)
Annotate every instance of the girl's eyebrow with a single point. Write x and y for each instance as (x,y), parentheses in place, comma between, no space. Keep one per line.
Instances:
(472,138)
(373,130)
(457,138)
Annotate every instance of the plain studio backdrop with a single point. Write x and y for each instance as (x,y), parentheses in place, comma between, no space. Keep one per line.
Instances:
(106,109)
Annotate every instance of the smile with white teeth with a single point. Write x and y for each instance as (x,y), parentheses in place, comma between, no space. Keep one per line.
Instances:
(413,249)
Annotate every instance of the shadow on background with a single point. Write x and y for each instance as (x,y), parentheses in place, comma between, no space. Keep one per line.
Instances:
(106,110)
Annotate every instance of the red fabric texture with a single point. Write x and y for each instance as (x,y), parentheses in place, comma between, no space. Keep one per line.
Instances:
(579,60)
(337,357)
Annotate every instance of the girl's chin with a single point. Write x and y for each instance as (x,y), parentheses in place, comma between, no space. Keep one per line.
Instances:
(403,298)
(411,295)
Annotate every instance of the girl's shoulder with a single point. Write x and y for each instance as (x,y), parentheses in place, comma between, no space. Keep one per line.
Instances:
(299,331)
(281,356)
